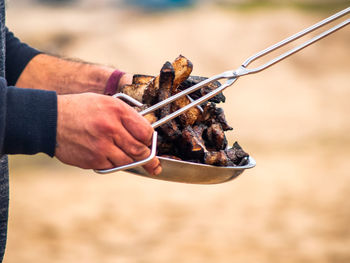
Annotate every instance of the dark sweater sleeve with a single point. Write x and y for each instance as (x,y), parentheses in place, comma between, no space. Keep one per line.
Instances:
(28,118)
(18,55)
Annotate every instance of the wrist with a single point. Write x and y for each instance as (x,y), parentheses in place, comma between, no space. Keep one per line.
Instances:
(114,82)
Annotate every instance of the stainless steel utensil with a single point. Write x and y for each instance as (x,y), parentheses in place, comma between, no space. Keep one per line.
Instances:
(187,172)
(194,173)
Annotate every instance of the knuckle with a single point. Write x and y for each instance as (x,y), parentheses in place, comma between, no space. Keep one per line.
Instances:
(146,134)
(103,127)
(138,151)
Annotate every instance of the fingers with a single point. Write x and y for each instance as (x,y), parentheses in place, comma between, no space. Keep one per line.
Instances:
(135,124)
(131,140)
(127,150)
(119,158)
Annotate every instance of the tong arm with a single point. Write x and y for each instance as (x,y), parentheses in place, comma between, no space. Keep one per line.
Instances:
(243,69)
(194,103)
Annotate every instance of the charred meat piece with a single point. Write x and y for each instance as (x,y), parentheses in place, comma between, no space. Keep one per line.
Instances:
(220,118)
(212,114)
(218,158)
(150,94)
(170,130)
(199,129)
(166,79)
(190,116)
(215,137)
(142,79)
(135,91)
(193,80)
(237,155)
(150,117)
(192,145)
(208,114)
(165,146)
(183,68)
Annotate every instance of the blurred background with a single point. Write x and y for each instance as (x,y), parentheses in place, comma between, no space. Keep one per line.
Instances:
(292,118)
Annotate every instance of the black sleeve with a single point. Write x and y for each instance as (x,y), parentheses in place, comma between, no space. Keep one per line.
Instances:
(28,117)
(28,120)
(18,55)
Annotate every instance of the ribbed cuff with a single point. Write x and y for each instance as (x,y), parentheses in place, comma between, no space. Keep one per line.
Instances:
(113,83)
(31,121)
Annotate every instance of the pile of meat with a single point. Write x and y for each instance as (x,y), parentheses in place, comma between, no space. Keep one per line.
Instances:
(197,135)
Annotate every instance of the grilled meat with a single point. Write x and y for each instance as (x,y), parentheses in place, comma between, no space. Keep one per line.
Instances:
(218,158)
(193,80)
(135,91)
(192,144)
(142,79)
(183,68)
(215,137)
(237,155)
(195,136)
(166,80)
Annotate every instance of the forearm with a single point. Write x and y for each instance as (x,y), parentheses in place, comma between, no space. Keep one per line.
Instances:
(65,76)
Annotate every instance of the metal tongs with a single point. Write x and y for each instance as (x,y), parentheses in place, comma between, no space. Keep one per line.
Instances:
(231,76)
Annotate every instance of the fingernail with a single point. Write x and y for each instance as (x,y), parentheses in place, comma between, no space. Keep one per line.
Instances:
(158,170)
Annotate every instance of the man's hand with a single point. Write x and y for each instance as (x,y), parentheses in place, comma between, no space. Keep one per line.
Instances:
(101,132)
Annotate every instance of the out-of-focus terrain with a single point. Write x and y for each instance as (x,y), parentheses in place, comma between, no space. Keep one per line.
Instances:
(292,118)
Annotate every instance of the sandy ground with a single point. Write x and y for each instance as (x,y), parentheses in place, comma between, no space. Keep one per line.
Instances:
(293,119)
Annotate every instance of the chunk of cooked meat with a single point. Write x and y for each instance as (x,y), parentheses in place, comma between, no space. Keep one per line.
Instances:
(166,79)
(237,155)
(190,116)
(212,114)
(198,135)
(192,145)
(183,68)
(135,91)
(215,137)
(221,118)
(150,94)
(218,158)
(193,80)
(165,146)
(150,117)
(142,79)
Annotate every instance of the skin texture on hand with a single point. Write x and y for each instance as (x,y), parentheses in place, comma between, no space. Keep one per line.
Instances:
(64,76)
(101,132)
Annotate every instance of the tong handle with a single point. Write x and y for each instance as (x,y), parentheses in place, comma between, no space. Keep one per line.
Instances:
(138,163)
(243,69)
